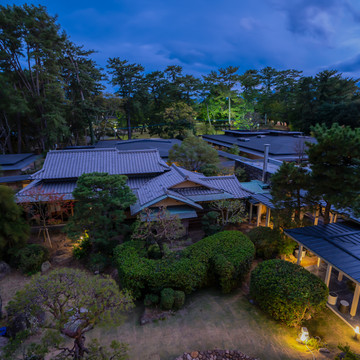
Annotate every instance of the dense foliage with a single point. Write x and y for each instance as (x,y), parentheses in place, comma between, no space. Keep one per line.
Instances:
(270,243)
(51,92)
(75,303)
(195,154)
(222,259)
(30,258)
(336,158)
(14,231)
(99,213)
(287,292)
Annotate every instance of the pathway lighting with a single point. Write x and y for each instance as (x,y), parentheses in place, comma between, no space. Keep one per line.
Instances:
(357,332)
(304,335)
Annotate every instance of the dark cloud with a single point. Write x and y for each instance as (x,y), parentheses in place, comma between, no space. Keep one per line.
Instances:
(349,66)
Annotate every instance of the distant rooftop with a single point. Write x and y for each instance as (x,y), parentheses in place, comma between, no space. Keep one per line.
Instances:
(16,161)
(284,145)
(163,145)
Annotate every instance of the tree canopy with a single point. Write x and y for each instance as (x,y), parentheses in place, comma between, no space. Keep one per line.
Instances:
(75,303)
(14,231)
(101,201)
(194,154)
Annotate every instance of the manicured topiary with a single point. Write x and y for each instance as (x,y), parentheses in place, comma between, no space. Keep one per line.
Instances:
(287,292)
(270,243)
(222,259)
(167,298)
(179,299)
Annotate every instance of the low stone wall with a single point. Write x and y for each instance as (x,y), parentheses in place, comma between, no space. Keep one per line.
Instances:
(215,355)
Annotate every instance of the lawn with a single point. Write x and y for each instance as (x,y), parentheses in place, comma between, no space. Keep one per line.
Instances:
(211,320)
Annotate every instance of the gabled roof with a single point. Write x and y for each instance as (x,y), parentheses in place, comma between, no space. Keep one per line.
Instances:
(16,161)
(212,188)
(67,164)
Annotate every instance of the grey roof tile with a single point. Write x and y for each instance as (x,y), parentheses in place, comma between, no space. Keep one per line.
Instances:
(65,164)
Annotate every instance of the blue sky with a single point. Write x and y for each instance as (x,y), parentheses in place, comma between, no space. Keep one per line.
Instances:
(203,35)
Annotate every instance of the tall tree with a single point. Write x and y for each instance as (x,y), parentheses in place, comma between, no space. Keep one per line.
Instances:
(31,46)
(335,165)
(129,79)
(14,231)
(289,194)
(101,201)
(194,154)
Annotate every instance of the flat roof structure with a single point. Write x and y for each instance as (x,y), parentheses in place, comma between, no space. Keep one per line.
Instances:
(338,244)
(284,146)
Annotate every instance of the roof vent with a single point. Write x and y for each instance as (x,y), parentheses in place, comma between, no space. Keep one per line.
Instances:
(244,139)
(260,136)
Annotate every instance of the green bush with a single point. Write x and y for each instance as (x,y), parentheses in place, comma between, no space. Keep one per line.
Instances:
(287,292)
(221,259)
(179,299)
(30,258)
(151,300)
(270,243)
(167,298)
(209,223)
(98,262)
(82,250)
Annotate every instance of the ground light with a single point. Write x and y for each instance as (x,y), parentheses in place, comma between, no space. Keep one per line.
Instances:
(304,335)
(357,332)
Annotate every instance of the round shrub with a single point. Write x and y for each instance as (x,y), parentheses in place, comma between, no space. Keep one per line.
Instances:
(167,298)
(221,259)
(179,299)
(30,258)
(98,262)
(287,292)
(151,300)
(270,243)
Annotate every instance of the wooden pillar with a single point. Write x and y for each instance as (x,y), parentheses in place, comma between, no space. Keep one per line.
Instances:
(250,212)
(300,254)
(267,222)
(316,218)
(318,262)
(335,218)
(331,218)
(258,220)
(328,275)
(355,301)
(340,276)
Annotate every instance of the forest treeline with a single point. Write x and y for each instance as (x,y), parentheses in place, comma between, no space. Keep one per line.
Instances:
(52,92)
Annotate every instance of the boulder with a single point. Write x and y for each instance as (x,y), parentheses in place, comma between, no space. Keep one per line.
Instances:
(4,269)
(22,321)
(45,266)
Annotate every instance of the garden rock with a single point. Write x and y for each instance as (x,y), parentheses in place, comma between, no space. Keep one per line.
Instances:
(4,269)
(45,266)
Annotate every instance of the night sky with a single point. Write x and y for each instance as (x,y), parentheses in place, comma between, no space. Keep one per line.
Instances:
(203,35)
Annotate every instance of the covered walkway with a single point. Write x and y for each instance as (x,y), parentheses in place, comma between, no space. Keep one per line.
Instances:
(337,247)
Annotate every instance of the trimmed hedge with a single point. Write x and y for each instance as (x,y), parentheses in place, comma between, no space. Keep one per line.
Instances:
(30,258)
(167,298)
(223,258)
(270,243)
(287,292)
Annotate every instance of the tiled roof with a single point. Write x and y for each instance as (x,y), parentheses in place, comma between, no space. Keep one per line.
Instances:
(16,161)
(229,184)
(44,190)
(212,188)
(14,178)
(65,164)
